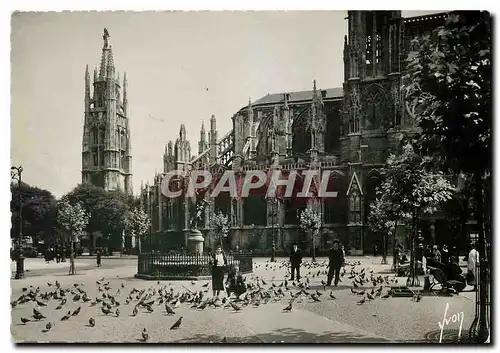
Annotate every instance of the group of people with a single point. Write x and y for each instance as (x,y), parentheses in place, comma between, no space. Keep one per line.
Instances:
(234,282)
(57,253)
(336,260)
(449,263)
(431,257)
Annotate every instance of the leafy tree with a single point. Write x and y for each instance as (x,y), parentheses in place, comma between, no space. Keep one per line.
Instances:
(39,210)
(220,225)
(449,96)
(382,220)
(137,222)
(310,221)
(111,213)
(89,196)
(412,188)
(107,210)
(72,220)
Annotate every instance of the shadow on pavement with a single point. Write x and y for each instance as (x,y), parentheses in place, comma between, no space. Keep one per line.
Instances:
(287,335)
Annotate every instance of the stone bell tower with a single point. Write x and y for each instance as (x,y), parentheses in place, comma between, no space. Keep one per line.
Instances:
(106,145)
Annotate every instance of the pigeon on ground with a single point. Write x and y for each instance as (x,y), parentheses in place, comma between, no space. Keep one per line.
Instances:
(176,324)
(67,316)
(77,311)
(235,307)
(169,310)
(91,322)
(25,320)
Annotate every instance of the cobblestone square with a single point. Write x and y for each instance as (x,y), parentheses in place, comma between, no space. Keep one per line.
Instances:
(339,320)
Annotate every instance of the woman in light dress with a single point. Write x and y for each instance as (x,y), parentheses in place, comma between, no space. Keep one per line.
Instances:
(472,264)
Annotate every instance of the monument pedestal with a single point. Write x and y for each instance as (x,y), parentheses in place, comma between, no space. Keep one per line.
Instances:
(195,242)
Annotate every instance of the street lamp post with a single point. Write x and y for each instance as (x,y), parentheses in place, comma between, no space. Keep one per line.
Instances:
(16,174)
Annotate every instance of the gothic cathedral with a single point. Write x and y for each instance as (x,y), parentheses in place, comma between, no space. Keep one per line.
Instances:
(106,145)
(348,131)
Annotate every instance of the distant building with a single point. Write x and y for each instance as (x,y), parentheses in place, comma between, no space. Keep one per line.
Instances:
(106,144)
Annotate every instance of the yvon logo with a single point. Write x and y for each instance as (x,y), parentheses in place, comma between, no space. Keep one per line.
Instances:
(455,318)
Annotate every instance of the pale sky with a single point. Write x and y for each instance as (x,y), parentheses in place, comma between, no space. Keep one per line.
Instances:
(170,59)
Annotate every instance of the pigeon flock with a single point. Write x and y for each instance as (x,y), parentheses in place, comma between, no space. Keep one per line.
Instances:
(163,297)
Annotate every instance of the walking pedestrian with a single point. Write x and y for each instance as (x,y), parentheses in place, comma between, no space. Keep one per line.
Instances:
(445,255)
(219,263)
(98,257)
(295,261)
(375,250)
(472,263)
(336,261)
(436,254)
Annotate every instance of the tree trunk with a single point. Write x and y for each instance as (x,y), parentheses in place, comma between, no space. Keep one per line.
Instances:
(483,261)
(384,249)
(394,257)
(413,261)
(122,239)
(313,247)
(71,257)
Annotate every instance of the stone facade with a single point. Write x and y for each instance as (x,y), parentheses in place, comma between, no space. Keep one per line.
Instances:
(106,143)
(348,131)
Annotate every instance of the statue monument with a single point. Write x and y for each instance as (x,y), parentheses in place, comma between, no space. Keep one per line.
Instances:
(195,239)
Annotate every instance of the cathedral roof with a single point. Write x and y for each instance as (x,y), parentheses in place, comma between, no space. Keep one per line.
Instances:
(275,98)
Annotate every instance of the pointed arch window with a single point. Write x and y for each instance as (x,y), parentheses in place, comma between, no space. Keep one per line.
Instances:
(234,210)
(378,48)
(368,50)
(95,135)
(335,208)
(123,142)
(374,107)
(301,135)
(355,207)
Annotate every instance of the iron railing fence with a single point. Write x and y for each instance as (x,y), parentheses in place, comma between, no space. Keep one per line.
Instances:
(182,265)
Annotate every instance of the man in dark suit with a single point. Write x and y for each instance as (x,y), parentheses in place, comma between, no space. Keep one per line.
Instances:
(336,262)
(295,261)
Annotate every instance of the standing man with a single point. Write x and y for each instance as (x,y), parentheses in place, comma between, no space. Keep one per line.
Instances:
(445,256)
(295,261)
(98,257)
(336,262)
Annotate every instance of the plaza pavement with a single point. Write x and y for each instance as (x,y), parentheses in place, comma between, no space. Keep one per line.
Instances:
(329,321)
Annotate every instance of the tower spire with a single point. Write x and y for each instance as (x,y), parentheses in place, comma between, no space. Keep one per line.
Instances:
(107,67)
(111,158)
(87,88)
(202,144)
(125,99)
